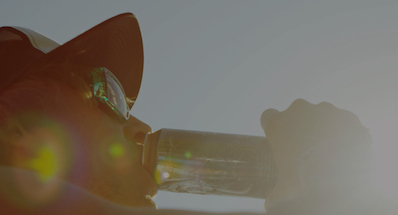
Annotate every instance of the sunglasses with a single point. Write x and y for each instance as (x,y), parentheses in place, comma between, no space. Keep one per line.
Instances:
(110,93)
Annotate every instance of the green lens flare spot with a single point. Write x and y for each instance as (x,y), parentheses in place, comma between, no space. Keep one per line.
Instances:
(116,150)
(188,154)
(45,163)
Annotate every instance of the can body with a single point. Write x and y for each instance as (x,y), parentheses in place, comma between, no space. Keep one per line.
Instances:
(210,163)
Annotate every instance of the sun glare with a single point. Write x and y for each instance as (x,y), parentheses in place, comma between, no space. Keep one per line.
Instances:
(45,163)
(385,148)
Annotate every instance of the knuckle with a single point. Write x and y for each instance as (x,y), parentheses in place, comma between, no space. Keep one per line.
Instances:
(299,104)
(327,106)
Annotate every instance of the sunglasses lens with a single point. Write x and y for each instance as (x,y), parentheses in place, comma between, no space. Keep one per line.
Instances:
(110,92)
(116,95)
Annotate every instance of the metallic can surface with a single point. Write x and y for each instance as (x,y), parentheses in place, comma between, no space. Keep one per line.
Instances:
(210,163)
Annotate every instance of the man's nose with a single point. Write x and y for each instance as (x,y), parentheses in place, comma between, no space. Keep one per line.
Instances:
(135,130)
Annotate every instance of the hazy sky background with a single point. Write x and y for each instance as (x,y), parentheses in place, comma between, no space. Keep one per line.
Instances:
(217,65)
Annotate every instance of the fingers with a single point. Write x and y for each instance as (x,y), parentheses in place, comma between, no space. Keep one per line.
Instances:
(286,119)
(302,118)
(299,105)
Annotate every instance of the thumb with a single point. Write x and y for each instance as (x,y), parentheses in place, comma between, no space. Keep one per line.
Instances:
(266,115)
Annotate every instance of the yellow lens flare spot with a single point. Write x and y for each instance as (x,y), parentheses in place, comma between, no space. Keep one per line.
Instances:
(117,150)
(45,163)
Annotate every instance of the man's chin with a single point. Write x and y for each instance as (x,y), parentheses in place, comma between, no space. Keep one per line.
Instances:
(150,203)
(146,202)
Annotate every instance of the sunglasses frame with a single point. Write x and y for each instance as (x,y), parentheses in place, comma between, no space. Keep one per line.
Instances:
(102,79)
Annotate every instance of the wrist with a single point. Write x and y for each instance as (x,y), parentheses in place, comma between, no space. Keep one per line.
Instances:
(287,186)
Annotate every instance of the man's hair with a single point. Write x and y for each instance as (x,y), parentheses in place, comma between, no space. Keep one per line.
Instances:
(40,91)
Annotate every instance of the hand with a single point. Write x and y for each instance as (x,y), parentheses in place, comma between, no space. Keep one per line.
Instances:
(304,124)
(297,129)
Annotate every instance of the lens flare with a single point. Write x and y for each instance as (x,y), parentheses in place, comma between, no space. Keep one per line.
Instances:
(165,175)
(116,154)
(45,163)
(42,158)
(168,167)
(116,150)
(188,154)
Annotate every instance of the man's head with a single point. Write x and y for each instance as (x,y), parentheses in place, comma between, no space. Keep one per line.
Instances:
(51,122)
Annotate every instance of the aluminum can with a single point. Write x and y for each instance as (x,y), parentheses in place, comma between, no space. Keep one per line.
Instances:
(210,163)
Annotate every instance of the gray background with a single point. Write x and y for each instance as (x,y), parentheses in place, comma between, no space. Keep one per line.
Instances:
(217,65)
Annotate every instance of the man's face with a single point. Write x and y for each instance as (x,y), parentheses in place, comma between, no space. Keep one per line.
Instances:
(103,156)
